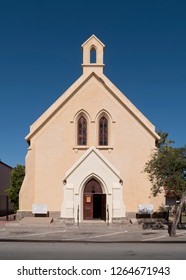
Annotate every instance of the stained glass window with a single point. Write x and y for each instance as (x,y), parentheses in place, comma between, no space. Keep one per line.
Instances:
(82,131)
(103,132)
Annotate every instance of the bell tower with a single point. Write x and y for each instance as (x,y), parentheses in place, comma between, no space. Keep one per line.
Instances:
(93,50)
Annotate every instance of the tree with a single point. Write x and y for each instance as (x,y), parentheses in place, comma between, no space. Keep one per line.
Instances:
(163,141)
(16,179)
(167,172)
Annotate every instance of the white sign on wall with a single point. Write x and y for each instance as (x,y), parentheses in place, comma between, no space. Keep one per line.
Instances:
(39,208)
(145,208)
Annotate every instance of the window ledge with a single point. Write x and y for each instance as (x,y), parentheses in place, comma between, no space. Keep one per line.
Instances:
(81,147)
(104,147)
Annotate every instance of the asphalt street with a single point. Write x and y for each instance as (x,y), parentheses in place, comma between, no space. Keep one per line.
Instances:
(91,251)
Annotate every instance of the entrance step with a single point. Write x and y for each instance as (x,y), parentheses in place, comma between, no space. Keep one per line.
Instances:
(93,225)
(36,220)
(93,222)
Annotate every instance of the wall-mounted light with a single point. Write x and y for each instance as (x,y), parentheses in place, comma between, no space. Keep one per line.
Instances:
(121,181)
(64,182)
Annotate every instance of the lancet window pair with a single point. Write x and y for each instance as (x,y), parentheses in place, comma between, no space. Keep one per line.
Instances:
(102,131)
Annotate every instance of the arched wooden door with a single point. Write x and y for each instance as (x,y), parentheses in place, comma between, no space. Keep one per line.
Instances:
(94,201)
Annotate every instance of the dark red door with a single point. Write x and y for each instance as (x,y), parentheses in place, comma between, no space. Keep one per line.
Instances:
(88,206)
(94,201)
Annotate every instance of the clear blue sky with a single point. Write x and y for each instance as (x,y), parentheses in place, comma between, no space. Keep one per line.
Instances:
(40,57)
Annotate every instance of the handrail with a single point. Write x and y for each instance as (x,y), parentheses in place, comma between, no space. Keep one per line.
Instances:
(78,215)
(107,218)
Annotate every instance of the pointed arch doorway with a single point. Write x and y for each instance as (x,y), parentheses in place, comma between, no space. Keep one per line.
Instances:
(94,201)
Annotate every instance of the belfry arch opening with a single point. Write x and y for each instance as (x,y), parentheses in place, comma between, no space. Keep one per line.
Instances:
(94,201)
(93,55)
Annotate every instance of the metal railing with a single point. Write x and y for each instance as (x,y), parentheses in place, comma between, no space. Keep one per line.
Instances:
(107,216)
(78,215)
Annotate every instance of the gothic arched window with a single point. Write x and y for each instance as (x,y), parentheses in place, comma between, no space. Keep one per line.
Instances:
(103,131)
(82,131)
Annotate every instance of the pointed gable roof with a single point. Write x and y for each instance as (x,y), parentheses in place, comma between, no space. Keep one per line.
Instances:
(69,93)
(92,155)
(92,38)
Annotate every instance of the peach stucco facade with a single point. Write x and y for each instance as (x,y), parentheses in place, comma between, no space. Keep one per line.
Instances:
(58,169)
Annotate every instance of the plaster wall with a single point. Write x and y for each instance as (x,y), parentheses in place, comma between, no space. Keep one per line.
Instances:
(54,149)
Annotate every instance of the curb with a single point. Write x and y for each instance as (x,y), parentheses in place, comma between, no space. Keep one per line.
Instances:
(94,241)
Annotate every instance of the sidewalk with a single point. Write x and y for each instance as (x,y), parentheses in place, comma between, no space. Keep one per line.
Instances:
(87,232)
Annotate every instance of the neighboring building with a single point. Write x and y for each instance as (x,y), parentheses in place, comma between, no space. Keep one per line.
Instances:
(5,171)
(87,152)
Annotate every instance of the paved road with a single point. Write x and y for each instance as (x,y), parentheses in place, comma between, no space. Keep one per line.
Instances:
(57,232)
(89,251)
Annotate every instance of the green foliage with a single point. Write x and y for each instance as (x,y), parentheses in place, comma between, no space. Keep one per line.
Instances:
(163,141)
(167,168)
(16,179)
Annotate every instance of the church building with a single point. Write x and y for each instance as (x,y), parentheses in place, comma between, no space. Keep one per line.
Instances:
(87,152)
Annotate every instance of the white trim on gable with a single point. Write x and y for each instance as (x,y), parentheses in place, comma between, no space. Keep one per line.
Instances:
(93,152)
(40,122)
(92,165)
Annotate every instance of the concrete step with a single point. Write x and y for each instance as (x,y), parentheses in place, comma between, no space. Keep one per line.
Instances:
(36,220)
